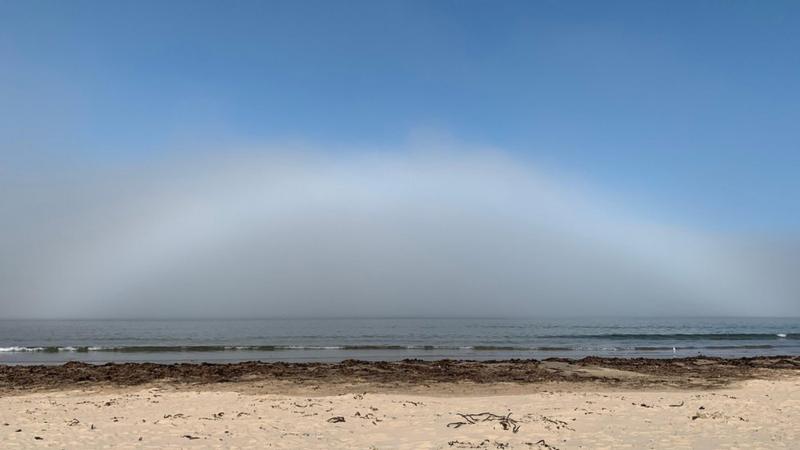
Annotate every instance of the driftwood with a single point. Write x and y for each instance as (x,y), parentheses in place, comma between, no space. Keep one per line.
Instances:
(541,442)
(470,419)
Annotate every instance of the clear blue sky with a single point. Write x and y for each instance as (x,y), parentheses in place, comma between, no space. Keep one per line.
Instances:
(693,106)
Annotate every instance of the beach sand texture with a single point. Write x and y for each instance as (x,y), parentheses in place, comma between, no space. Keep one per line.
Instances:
(761,412)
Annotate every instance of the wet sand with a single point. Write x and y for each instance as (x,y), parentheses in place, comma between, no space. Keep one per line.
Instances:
(591,403)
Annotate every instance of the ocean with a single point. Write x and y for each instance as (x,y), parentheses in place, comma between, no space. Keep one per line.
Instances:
(302,340)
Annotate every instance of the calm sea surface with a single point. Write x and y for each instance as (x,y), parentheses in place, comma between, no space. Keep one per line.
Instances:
(55,341)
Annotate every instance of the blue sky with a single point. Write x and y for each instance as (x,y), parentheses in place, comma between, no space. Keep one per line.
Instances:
(690,107)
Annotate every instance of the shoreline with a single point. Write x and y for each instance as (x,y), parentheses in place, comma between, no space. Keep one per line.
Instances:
(619,373)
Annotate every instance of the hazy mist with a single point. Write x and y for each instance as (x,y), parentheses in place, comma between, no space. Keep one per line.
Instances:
(270,233)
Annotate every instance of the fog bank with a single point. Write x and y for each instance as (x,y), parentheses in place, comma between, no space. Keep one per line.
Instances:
(271,233)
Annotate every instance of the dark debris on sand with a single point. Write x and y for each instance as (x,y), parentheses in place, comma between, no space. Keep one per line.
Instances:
(406,371)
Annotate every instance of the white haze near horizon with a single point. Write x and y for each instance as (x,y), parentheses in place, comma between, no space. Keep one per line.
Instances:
(274,234)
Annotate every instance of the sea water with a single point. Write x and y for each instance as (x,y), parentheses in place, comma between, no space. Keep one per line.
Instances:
(100,341)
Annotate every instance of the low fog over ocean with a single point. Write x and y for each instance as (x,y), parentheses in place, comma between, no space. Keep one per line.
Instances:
(421,232)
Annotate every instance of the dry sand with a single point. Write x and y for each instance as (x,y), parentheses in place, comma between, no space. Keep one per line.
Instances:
(759,412)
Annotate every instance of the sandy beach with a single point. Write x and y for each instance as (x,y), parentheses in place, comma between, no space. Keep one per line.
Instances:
(691,403)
